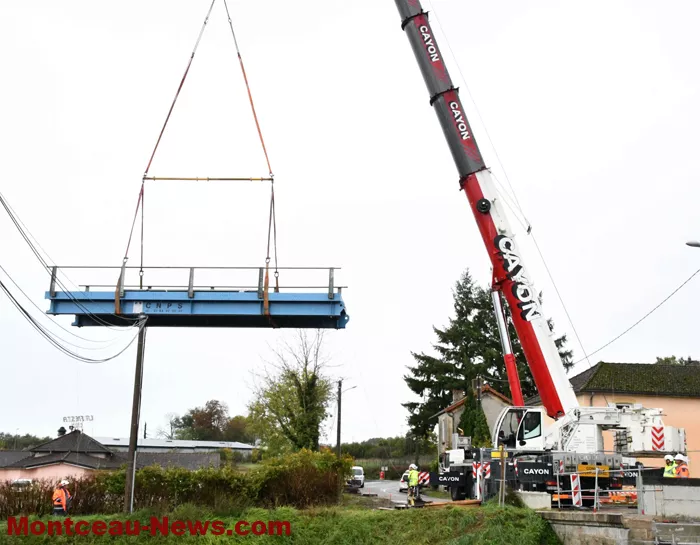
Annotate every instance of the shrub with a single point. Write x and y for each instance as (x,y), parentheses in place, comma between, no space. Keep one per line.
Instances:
(301,480)
(435,466)
(99,492)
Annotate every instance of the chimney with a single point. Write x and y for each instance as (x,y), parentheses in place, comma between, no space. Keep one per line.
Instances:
(61,431)
(457,395)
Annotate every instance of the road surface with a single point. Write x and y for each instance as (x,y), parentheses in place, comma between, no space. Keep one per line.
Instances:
(390,490)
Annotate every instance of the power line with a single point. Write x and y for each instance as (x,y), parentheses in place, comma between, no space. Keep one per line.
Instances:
(642,318)
(109,341)
(50,336)
(26,235)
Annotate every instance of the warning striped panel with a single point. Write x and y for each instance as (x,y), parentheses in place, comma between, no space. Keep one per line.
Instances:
(576,498)
(657,438)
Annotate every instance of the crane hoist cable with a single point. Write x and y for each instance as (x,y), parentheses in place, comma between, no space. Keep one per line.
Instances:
(140,200)
(272,221)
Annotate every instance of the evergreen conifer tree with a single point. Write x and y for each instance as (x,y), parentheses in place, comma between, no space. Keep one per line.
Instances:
(468,347)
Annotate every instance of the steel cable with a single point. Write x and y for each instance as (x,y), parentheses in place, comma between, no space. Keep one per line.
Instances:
(139,202)
(109,342)
(272,222)
(26,236)
(50,337)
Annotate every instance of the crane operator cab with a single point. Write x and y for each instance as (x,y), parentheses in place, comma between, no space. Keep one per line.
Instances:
(520,428)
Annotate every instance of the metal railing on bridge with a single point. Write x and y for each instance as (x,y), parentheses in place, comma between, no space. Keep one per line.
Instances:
(182,278)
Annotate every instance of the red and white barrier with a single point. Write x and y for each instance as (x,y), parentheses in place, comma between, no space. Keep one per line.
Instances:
(576,498)
(424,478)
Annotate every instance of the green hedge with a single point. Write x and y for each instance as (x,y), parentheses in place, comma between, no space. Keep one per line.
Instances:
(301,480)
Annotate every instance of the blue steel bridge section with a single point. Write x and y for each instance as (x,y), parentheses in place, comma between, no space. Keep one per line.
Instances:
(191,305)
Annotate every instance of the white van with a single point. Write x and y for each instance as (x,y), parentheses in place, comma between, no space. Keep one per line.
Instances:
(358,477)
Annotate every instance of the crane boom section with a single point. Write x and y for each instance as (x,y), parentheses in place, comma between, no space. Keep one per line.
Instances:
(443,96)
(510,274)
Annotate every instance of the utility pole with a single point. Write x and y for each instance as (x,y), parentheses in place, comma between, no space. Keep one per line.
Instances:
(340,393)
(145,427)
(135,414)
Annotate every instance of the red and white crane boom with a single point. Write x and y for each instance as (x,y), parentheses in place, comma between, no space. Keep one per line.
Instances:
(510,275)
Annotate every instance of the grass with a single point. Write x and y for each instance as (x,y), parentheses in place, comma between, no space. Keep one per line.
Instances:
(350,523)
(356,501)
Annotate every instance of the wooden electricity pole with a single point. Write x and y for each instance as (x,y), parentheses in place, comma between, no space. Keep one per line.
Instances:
(340,393)
(135,414)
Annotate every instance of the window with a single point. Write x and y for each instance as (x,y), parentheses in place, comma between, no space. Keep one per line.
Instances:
(532,426)
(445,463)
(509,427)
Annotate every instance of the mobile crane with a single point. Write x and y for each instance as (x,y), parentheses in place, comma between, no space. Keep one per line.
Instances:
(559,436)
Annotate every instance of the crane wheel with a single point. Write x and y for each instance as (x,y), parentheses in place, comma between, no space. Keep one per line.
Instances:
(457,494)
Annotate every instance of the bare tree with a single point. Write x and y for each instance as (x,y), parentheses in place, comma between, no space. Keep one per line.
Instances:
(170,428)
(293,396)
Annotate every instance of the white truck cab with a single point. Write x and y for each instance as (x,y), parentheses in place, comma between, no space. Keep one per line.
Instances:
(521,428)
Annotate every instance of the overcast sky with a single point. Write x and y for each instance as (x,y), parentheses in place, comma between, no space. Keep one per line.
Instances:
(593,109)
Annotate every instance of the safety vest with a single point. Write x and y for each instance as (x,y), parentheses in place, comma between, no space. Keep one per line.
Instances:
(413,478)
(60,498)
(682,471)
(670,471)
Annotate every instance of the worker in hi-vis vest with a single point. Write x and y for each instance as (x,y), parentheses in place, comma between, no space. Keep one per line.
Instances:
(670,467)
(682,470)
(61,499)
(412,483)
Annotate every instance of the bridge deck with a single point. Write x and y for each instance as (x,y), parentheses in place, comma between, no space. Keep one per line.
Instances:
(189,306)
